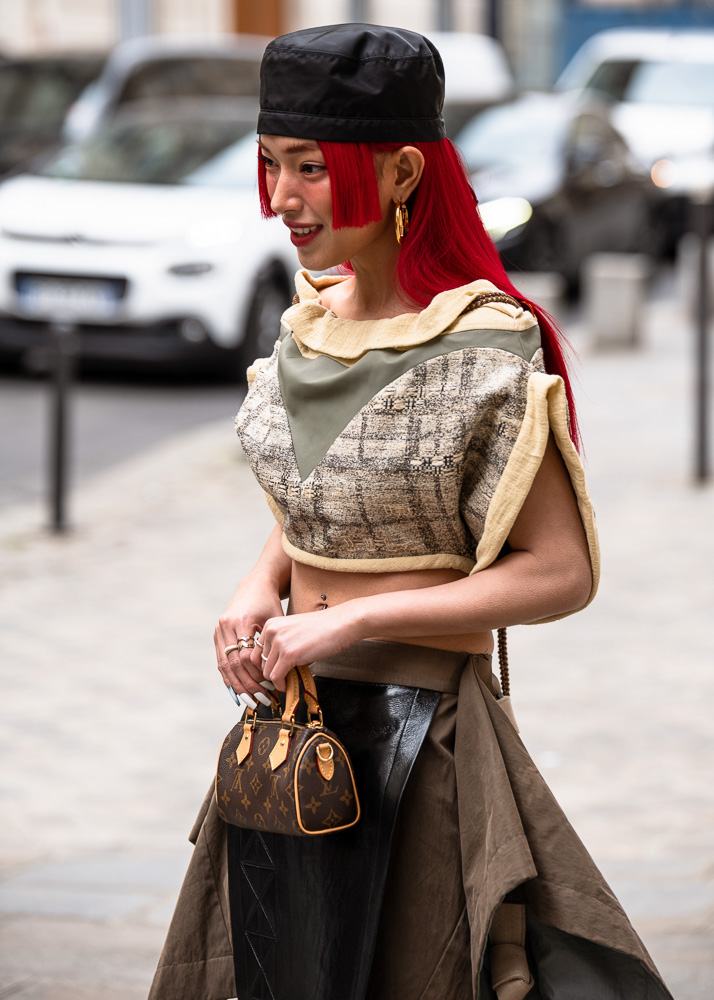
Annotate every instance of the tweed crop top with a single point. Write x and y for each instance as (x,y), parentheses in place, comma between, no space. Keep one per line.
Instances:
(405,443)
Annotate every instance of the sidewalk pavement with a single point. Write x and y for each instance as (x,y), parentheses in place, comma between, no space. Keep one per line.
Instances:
(113,711)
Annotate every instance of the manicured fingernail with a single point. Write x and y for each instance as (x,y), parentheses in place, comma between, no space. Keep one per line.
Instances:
(268,685)
(263,699)
(233,695)
(247,700)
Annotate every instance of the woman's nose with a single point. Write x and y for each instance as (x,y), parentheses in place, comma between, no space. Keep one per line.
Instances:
(285,196)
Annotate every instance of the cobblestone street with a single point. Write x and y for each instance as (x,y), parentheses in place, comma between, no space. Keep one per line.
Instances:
(113,712)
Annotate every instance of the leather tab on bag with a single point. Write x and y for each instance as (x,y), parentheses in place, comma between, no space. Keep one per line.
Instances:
(326,760)
(279,753)
(244,747)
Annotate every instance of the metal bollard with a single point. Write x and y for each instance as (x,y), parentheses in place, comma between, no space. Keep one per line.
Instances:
(701,209)
(63,349)
(614,286)
(688,262)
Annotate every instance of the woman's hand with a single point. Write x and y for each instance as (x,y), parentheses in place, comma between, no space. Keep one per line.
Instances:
(297,639)
(255,601)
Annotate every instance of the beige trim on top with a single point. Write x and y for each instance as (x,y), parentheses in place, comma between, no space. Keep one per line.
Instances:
(276,511)
(318,331)
(391,564)
(253,370)
(546,410)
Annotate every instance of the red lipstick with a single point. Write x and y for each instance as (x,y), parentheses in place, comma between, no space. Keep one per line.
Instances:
(299,239)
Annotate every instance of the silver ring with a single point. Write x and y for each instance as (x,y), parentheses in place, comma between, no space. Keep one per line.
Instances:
(258,643)
(264,657)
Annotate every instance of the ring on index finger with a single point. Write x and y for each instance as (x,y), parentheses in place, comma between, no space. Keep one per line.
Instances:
(263,657)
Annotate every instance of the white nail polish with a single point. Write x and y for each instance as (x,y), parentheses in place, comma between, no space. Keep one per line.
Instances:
(263,699)
(247,700)
(268,685)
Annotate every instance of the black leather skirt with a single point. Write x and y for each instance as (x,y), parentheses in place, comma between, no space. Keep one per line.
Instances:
(305,911)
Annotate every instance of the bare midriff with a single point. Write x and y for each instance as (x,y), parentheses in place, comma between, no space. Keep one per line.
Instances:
(314,589)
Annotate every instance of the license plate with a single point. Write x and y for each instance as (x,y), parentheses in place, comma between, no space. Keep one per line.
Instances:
(68,298)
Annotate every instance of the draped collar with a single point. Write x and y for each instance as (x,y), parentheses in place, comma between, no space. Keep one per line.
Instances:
(317,331)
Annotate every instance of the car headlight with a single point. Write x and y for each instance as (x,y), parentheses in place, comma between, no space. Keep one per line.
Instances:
(213,233)
(502,215)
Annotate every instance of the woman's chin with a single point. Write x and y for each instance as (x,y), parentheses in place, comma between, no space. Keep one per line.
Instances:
(314,260)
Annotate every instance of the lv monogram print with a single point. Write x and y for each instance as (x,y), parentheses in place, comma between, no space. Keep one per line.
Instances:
(295,798)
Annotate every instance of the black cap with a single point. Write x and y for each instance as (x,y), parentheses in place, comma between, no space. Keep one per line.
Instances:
(352,83)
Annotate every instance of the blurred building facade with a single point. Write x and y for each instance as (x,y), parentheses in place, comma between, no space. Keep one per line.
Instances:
(539,36)
(37,26)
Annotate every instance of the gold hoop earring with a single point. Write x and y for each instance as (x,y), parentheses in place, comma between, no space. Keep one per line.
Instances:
(401,221)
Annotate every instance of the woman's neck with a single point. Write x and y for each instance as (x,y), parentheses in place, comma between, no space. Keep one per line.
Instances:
(371,292)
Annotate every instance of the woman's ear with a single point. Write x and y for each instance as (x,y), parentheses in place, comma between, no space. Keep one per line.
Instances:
(409,169)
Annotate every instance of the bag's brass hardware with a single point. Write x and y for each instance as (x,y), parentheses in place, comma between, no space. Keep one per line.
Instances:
(325,762)
(320,724)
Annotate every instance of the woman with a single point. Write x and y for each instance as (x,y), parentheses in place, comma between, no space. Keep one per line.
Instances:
(420,462)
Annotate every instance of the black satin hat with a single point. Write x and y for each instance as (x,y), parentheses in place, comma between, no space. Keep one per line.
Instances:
(352,83)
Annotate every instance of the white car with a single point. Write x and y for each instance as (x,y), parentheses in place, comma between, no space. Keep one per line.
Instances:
(148,238)
(659,84)
(167,67)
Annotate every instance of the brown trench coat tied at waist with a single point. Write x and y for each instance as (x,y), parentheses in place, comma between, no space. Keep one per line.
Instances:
(514,840)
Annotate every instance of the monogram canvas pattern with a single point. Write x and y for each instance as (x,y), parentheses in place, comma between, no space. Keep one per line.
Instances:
(410,478)
(295,798)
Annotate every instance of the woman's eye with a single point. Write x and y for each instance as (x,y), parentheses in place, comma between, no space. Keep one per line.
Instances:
(313,168)
(268,162)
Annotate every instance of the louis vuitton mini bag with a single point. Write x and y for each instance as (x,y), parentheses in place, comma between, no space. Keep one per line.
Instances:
(281,776)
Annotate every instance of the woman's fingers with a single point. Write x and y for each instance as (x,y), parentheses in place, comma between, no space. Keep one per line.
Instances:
(270,655)
(247,700)
(235,666)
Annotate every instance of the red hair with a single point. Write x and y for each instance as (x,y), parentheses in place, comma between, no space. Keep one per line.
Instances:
(447,245)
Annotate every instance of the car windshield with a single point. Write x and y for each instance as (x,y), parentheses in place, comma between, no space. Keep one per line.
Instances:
(644,82)
(214,76)
(673,83)
(36,95)
(196,152)
(507,136)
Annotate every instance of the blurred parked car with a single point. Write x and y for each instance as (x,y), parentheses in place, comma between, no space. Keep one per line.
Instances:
(555,183)
(148,236)
(35,95)
(167,67)
(659,85)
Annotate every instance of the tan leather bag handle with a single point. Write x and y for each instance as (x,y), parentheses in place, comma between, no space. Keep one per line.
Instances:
(292,693)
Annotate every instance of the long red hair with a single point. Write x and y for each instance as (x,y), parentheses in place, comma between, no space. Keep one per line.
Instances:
(447,245)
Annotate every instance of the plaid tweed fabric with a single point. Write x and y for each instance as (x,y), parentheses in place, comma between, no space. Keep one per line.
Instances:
(408,482)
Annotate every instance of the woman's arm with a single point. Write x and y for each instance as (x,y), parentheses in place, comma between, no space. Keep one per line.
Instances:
(256,599)
(547,573)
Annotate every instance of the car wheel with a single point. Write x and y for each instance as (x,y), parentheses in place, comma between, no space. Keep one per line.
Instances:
(270,300)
